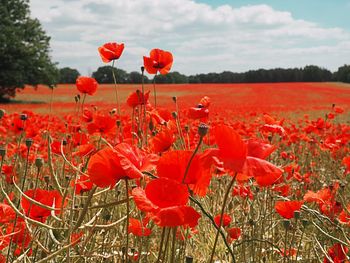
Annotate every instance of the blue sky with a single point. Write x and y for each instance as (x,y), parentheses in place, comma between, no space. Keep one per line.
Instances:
(204,36)
(329,13)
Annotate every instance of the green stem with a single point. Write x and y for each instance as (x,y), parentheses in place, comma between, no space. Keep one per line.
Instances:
(222,215)
(191,159)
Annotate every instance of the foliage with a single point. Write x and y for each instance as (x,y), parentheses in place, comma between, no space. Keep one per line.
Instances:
(24,49)
(68,75)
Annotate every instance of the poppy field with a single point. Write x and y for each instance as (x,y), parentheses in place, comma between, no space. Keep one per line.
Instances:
(175,173)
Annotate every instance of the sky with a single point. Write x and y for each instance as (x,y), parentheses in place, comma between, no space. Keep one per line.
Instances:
(204,36)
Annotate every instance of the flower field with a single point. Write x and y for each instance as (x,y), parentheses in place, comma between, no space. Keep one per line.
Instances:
(206,173)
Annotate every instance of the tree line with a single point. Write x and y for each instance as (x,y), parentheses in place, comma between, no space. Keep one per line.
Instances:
(309,73)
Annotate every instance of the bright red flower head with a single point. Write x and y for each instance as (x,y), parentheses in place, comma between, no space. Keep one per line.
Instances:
(166,200)
(48,198)
(286,209)
(109,165)
(110,51)
(337,254)
(226,220)
(232,149)
(137,98)
(158,61)
(86,85)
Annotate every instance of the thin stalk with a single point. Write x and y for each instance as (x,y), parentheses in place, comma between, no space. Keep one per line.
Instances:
(127,219)
(173,250)
(154,91)
(116,88)
(161,244)
(222,215)
(191,159)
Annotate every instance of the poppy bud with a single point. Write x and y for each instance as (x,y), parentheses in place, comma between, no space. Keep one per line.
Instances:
(305,222)
(286,224)
(2,113)
(76,99)
(189,259)
(113,111)
(174,114)
(64,142)
(47,179)
(296,214)
(2,152)
(203,129)
(142,69)
(39,162)
(29,142)
(187,128)
(174,99)
(118,122)
(24,117)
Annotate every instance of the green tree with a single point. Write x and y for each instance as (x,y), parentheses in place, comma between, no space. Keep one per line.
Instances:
(343,74)
(104,75)
(24,50)
(68,75)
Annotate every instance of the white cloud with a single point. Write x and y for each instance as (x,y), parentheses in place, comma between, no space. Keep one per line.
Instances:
(202,38)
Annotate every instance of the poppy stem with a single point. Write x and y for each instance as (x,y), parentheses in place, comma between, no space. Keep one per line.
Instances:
(154,90)
(173,251)
(115,87)
(190,161)
(222,216)
(161,244)
(127,219)
(144,122)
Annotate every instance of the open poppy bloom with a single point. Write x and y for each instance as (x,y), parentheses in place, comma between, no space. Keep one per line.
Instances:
(138,228)
(233,234)
(110,51)
(232,149)
(86,85)
(124,161)
(137,98)
(46,197)
(166,202)
(162,141)
(173,165)
(337,253)
(101,123)
(158,61)
(226,220)
(286,209)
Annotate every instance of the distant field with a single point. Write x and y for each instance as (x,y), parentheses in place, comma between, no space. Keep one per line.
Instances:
(280,98)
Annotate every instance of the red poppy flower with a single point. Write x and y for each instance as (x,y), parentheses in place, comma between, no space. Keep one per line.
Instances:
(173,165)
(166,200)
(110,51)
(82,184)
(344,216)
(274,128)
(7,214)
(337,253)
(48,198)
(233,233)
(159,61)
(102,124)
(137,98)
(137,228)
(286,209)
(232,149)
(264,172)
(108,165)
(162,141)
(198,113)
(346,162)
(86,85)
(259,149)
(226,220)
